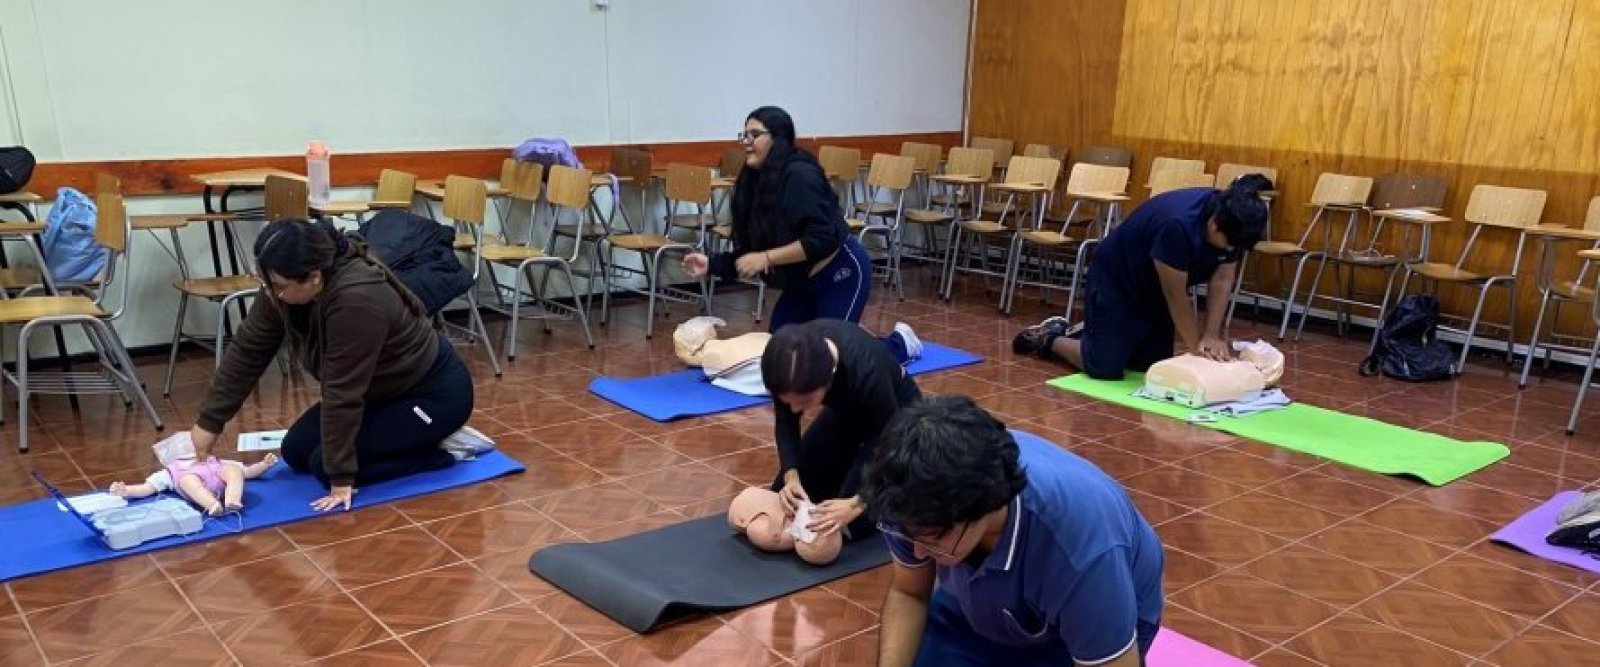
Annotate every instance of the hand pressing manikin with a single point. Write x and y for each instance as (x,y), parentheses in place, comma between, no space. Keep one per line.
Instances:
(215,486)
(759,514)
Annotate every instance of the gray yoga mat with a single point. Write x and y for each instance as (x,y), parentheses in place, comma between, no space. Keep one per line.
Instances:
(698,566)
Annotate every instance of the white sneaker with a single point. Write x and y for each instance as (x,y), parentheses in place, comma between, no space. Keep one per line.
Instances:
(913,344)
(467,443)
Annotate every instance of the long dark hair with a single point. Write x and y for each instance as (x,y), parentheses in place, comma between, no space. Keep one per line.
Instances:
(294,248)
(1241,212)
(758,193)
(797,360)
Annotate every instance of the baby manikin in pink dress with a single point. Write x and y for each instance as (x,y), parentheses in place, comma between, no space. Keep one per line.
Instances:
(759,515)
(215,486)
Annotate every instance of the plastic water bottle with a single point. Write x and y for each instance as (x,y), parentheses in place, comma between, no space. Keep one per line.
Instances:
(317,173)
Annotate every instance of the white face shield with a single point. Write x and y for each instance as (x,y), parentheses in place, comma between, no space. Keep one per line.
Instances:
(175,447)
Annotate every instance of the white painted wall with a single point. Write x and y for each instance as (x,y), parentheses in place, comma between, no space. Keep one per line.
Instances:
(113,79)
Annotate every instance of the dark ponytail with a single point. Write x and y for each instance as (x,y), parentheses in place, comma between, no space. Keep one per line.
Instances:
(293,248)
(797,360)
(1241,212)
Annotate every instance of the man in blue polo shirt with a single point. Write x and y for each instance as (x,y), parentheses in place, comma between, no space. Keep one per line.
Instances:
(1008,551)
(1136,306)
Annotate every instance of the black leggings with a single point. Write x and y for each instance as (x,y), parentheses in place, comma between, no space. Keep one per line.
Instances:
(394,441)
(828,449)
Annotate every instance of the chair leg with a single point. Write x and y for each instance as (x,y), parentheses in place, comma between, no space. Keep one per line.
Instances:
(1472,326)
(479,330)
(651,263)
(1294,288)
(1583,387)
(1511,322)
(583,317)
(1383,310)
(115,347)
(607,259)
(1533,340)
(1080,262)
(949,272)
(177,339)
(1233,297)
(22,387)
(516,315)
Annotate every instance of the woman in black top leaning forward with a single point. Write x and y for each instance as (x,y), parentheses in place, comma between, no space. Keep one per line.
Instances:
(854,385)
(788,230)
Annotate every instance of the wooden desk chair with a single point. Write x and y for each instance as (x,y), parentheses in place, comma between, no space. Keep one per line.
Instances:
(1553,240)
(1095,185)
(1162,182)
(465,202)
(1333,194)
(842,167)
(683,182)
(567,191)
(1030,177)
(887,182)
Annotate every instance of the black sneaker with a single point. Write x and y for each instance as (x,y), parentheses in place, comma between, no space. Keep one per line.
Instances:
(1036,340)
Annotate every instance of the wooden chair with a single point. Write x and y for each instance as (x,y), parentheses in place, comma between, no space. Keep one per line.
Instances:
(1589,256)
(1109,156)
(1162,182)
(1095,185)
(465,202)
(116,373)
(1553,241)
(966,171)
(682,181)
(1491,207)
(567,191)
(842,167)
(1334,193)
(1025,176)
(1170,168)
(887,182)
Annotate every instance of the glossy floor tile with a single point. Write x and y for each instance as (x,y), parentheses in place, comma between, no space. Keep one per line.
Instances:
(1274,556)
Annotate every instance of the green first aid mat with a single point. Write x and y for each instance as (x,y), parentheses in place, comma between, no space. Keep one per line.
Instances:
(1355,441)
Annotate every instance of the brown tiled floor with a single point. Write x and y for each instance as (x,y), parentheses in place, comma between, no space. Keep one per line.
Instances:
(1274,556)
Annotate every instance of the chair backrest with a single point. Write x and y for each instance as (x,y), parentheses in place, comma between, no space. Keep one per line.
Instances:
(568,187)
(1097,178)
(287,198)
(523,180)
(1591,222)
(1045,150)
(925,156)
(395,185)
(840,163)
(891,171)
(1163,165)
(1003,149)
(1407,191)
(1108,156)
(688,183)
(1167,181)
(732,161)
(1341,190)
(104,182)
(1230,172)
(965,161)
(633,164)
(465,199)
(1498,206)
(508,171)
(1043,170)
(111,221)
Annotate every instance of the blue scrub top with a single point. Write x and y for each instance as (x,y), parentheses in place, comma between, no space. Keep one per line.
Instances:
(1170,227)
(1076,564)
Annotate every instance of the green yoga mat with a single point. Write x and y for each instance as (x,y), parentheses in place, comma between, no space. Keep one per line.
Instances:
(1355,441)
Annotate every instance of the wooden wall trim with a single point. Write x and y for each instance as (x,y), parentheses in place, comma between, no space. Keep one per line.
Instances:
(172,176)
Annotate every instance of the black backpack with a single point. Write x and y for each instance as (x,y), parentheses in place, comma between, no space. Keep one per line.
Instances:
(16,167)
(1408,344)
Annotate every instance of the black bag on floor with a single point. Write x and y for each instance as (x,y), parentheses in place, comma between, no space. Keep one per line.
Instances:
(16,168)
(1408,343)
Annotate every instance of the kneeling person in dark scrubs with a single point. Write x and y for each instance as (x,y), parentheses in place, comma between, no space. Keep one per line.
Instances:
(1005,553)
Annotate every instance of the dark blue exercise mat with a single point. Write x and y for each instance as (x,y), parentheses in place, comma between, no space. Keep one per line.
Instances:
(698,566)
(39,537)
(687,393)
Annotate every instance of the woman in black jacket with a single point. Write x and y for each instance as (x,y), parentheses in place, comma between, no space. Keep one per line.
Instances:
(788,230)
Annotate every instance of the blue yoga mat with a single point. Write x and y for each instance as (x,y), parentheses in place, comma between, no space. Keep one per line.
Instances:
(41,538)
(687,393)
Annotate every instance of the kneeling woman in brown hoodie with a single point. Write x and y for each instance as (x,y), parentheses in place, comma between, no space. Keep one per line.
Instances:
(392,386)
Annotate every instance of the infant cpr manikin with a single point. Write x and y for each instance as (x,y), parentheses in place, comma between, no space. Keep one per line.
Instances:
(758,514)
(1197,382)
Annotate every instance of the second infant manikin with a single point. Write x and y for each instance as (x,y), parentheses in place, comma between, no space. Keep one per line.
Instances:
(759,514)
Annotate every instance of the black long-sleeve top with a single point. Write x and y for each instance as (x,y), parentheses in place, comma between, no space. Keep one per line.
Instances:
(868,387)
(810,215)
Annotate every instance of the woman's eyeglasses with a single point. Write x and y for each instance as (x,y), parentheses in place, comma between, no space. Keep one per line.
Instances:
(923,542)
(752,135)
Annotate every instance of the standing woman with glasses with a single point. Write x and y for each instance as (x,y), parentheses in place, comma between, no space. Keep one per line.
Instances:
(788,230)
(392,387)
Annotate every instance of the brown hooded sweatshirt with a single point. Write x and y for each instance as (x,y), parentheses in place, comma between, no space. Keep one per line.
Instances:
(365,341)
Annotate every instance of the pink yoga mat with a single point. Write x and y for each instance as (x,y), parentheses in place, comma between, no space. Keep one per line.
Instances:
(1528,531)
(1174,650)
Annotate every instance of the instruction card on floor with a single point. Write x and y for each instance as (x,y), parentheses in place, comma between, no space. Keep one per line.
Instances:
(261,441)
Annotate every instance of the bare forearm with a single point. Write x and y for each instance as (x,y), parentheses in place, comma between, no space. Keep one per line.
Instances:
(1183,317)
(904,617)
(1218,293)
(790,253)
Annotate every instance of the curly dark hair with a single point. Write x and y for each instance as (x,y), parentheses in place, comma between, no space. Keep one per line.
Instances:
(941,462)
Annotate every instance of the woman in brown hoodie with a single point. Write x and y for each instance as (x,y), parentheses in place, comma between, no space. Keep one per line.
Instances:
(392,386)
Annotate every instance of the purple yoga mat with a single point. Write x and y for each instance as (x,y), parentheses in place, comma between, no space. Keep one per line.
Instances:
(1174,650)
(1528,531)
